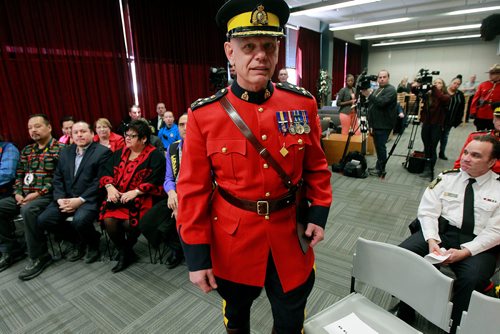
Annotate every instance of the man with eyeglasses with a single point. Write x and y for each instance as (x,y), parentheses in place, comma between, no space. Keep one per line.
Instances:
(32,189)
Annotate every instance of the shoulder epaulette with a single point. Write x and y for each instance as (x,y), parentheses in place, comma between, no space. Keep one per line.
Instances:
(447,171)
(294,89)
(435,182)
(202,101)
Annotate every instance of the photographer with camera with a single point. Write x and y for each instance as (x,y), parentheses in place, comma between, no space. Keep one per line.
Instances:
(382,115)
(487,93)
(435,106)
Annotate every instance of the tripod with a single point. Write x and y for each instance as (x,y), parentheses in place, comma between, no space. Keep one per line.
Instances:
(353,128)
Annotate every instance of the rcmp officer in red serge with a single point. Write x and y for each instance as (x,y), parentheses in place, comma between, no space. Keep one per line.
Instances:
(243,234)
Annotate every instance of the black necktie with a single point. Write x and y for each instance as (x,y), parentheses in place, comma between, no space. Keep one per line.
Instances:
(468,216)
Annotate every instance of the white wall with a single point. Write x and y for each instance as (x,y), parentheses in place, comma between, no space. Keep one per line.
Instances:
(450,59)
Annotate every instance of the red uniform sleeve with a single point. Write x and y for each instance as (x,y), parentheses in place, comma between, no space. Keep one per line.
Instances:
(194,189)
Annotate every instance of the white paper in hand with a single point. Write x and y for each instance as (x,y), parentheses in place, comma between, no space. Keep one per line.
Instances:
(435,258)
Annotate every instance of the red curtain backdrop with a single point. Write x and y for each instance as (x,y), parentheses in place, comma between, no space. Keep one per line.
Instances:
(175,46)
(354,52)
(308,59)
(338,79)
(61,58)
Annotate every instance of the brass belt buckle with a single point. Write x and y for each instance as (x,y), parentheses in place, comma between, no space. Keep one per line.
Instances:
(262,208)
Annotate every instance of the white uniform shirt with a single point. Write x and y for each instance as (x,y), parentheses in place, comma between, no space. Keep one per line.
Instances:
(446,199)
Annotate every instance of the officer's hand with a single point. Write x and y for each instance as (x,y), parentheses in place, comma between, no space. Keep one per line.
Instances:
(434,247)
(315,232)
(456,255)
(204,279)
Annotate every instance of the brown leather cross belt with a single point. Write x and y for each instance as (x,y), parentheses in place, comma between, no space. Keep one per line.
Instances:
(262,208)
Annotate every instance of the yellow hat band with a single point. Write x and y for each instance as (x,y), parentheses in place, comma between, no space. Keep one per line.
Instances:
(245,20)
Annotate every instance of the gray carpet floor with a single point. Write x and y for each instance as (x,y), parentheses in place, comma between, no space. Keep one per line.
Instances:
(149,298)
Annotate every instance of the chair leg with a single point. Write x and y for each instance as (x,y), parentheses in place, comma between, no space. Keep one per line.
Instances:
(108,246)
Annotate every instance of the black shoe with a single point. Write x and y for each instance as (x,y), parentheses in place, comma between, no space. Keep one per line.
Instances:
(373,171)
(77,253)
(9,259)
(93,254)
(125,259)
(174,259)
(35,267)
(442,156)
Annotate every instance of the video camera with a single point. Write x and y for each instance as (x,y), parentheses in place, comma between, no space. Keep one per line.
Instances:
(218,77)
(424,78)
(364,81)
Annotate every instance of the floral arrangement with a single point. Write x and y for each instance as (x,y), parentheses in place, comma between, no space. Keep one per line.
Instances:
(324,86)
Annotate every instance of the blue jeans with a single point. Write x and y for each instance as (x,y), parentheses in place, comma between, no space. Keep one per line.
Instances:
(380,137)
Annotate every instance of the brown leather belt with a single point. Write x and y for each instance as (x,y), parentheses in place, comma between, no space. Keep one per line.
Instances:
(262,208)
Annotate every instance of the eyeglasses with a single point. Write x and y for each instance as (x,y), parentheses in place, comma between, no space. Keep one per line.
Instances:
(131,136)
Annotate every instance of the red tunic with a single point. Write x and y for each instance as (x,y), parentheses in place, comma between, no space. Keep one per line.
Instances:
(486,94)
(234,242)
(496,133)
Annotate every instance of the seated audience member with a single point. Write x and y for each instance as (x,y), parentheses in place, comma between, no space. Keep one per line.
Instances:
(133,114)
(106,137)
(404,86)
(76,194)
(32,192)
(346,100)
(454,113)
(9,156)
(154,140)
(158,224)
(283,75)
(132,178)
(66,124)
(169,133)
(157,122)
(460,211)
(488,92)
(495,133)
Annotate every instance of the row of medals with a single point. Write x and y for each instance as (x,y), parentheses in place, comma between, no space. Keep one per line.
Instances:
(293,122)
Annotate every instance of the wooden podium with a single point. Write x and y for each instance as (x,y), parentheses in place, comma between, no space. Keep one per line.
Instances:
(335,143)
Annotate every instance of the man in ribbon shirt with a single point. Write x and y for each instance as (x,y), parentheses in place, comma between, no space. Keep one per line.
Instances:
(243,235)
(32,189)
(460,211)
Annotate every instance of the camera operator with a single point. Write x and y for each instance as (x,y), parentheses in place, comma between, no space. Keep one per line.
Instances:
(436,101)
(382,114)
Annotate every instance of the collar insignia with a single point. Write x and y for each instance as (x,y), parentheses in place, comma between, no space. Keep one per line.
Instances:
(267,94)
(259,16)
(244,96)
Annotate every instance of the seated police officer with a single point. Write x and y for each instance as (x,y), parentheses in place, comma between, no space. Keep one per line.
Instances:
(460,211)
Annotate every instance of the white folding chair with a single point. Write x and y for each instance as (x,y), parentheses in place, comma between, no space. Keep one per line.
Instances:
(482,317)
(403,274)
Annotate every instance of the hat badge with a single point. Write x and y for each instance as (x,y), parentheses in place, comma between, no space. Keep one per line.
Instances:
(259,16)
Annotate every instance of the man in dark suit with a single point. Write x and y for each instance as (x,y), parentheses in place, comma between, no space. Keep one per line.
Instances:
(76,192)
(157,122)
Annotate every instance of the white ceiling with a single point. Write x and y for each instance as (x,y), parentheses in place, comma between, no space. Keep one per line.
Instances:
(425,14)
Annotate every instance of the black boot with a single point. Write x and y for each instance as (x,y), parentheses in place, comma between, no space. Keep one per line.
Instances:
(123,262)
